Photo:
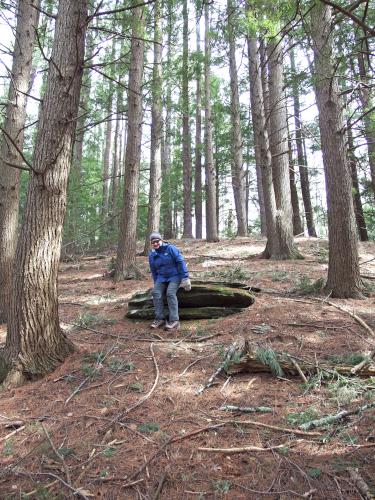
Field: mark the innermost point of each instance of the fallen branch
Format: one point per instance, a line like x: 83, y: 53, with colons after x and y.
x: 12, y: 434
x: 273, y: 427
x: 330, y: 419
x: 247, y: 409
x: 58, y: 455
x: 354, y: 316
x: 240, y: 450
x: 360, y: 483
x: 224, y: 365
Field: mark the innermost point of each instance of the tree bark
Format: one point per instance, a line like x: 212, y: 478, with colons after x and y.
x: 211, y: 205
x: 302, y: 165
x: 35, y: 343
x: 198, y: 135
x: 166, y: 149
x: 279, y: 151
x: 126, y: 249
x: 186, y: 153
x: 343, y: 268
x: 154, y: 204
x: 358, y: 209
x: 11, y: 140
x: 297, y: 222
x: 238, y: 173
x: 107, y: 158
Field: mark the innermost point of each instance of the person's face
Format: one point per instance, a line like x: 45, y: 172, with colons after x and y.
x: 155, y: 243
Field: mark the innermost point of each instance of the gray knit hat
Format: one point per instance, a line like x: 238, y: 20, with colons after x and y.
x: 155, y: 236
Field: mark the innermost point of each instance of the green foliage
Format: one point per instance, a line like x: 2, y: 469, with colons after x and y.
x: 148, y: 428
x: 297, y: 419
x: 109, y: 452
x: 353, y: 358
x: 306, y: 286
x: 269, y: 358
x: 229, y: 274
x: 66, y: 452
x: 89, y: 370
x: 314, y: 472
x: 120, y: 365
x: 98, y: 357
x: 136, y: 387
x: 221, y: 485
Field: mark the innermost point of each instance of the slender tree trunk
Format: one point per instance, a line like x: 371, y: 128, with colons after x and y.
x: 238, y: 173
x: 35, y: 342
x: 126, y: 250
x: 297, y: 222
x: 11, y: 142
x: 186, y: 154
x: 198, y: 135
x: 154, y: 204
x: 211, y: 205
x: 167, y: 209
x: 302, y: 165
x: 358, y: 210
x: 343, y: 268
x: 107, y: 159
x: 262, y: 144
x: 279, y: 151
x: 369, y: 118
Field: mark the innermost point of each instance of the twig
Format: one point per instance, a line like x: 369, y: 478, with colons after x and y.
x: 313, y: 424
x: 247, y: 409
x: 12, y: 434
x: 240, y: 450
x: 143, y: 399
x: 76, y: 390
x: 229, y: 354
x: 273, y: 427
x: 298, y: 368
x: 58, y: 455
x: 160, y: 487
x: 354, y: 316
x: 55, y: 476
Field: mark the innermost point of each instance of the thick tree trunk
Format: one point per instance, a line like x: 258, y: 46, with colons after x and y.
x: 11, y: 143
x: 154, y: 204
x: 126, y: 249
x: 35, y: 344
x: 279, y: 151
x: 262, y: 145
x: 358, y: 210
x: 302, y: 165
x: 238, y: 173
x: 198, y: 137
x: 186, y: 153
x: 211, y: 205
x: 343, y: 268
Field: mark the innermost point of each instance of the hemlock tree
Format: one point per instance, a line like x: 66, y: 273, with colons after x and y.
x: 198, y: 130
x: 154, y: 204
x: 126, y: 250
x: 35, y: 343
x: 187, y: 181
x: 211, y: 202
x: 238, y: 172
x: 344, y: 279
x: 11, y: 143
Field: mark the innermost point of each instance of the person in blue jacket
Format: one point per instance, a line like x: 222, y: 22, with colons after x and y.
x: 169, y: 272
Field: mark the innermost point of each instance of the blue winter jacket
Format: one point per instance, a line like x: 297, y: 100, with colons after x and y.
x: 167, y: 264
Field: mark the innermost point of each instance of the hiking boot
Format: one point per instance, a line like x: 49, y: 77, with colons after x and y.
x: 158, y: 323
x: 172, y: 325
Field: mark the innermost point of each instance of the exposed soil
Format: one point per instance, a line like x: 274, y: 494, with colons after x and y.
x: 124, y: 413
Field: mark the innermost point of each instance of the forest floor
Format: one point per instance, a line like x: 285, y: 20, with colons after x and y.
x: 121, y: 417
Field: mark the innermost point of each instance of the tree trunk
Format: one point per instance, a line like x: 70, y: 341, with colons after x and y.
x: 198, y: 136
x: 35, y: 343
x: 297, y: 222
x: 154, y: 204
x: 302, y: 165
x: 238, y: 173
x: 279, y: 151
x: 186, y: 154
x: 126, y: 249
x: 358, y: 210
x: 343, y: 268
x: 257, y: 148
x: 107, y: 159
x: 211, y: 206
x: 369, y: 118
x: 166, y: 149
x: 11, y: 142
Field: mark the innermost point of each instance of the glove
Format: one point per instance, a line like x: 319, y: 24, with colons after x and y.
x: 186, y: 284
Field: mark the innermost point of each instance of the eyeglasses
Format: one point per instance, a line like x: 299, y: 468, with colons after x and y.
x: 155, y: 241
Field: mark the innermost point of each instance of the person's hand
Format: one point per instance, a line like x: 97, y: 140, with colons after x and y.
x: 186, y: 284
